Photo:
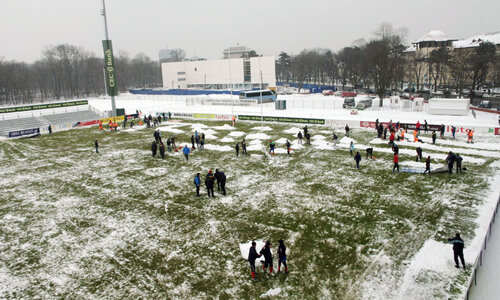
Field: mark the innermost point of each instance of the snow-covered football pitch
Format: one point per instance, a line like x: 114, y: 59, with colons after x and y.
x: 121, y: 224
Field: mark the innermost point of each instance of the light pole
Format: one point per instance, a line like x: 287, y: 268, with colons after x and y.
x: 230, y: 84
x: 113, y: 105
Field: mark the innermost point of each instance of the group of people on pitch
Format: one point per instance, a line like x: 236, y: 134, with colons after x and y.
x: 268, y: 257
x: 210, y: 179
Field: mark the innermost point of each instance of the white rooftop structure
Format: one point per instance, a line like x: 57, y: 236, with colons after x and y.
x: 435, y: 36
x: 474, y: 41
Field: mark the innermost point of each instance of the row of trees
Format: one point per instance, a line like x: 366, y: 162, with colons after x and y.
x: 378, y: 63
x: 382, y: 64
x: 66, y: 72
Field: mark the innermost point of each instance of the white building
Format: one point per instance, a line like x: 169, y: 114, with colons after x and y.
x: 235, y: 73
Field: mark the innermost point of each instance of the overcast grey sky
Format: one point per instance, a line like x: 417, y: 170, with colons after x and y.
x: 206, y: 27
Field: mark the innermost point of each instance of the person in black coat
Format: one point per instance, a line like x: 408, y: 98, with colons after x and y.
x: 458, y: 249
x: 153, y: 148
x: 357, y: 158
x: 217, y: 178
x: 252, y: 256
x: 450, y: 160
x: 192, y: 141
x: 428, y: 165
x: 282, y: 256
x: 434, y: 135
x: 288, y: 147
x: 419, y: 154
x: 385, y: 133
x: 347, y: 130
x: 369, y: 152
x: 459, y: 159
x: 222, y: 177
x: 162, y: 150
x: 237, y: 149
x: 96, y: 144
x: 268, y: 257
x: 209, y: 183
x: 244, y: 147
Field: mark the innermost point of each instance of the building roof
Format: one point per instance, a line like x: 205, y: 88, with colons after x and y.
x: 434, y: 36
x: 412, y: 48
x: 474, y: 41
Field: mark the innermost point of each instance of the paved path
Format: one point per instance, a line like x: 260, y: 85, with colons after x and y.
x: 488, y: 275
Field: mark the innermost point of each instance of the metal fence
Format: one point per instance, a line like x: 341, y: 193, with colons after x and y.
x: 479, y: 260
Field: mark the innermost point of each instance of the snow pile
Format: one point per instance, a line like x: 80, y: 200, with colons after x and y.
x: 258, y: 136
x: 281, y: 141
x: 172, y: 130
x: 218, y: 148
x: 271, y: 292
x: 255, y: 145
x: 262, y: 128
x: 227, y: 139
x: 293, y: 130
x: 195, y: 126
x: 237, y: 133
x: 224, y: 127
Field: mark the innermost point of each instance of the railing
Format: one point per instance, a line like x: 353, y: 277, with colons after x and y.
x: 479, y: 259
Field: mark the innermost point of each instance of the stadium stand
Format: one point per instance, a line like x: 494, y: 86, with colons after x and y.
x: 44, y: 121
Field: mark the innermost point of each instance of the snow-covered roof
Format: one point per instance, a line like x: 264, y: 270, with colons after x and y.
x: 474, y: 41
x: 435, y: 35
x: 412, y: 48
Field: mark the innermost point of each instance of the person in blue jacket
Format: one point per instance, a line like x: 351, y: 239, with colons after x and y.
x: 458, y: 249
x: 357, y: 158
x: 197, y: 182
x: 252, y: 256
x: 186, y: 152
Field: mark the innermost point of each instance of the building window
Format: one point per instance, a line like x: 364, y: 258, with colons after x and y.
x: 247, y: 73
x: 181, y: 79
x: 181, y: 73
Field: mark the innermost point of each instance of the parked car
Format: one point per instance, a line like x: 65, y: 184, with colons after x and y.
x: 348, y: 94
x: 327, y: 92
x: 485, y: 104
x: 348, y: 103
x: 364, y: 103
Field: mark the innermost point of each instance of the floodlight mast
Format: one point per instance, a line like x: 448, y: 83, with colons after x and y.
x: 103, y: 13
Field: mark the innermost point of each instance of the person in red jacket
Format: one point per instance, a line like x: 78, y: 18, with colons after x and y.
x: 391, y: 138
x: 396, y: 163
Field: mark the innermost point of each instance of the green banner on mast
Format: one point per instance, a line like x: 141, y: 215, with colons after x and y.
x: 109, y: 66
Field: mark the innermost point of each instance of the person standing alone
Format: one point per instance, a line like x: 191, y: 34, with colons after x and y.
x: 96, y: 144
x: 458, y: 249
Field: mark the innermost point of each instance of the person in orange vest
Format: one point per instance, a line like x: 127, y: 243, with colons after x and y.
x: 110, y: 127
x: 415, y: 135
x: 402, y: 136
x: 470, y: 136
x: 100, y: 125
x: 396, y: 163
x: 234, y: 120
